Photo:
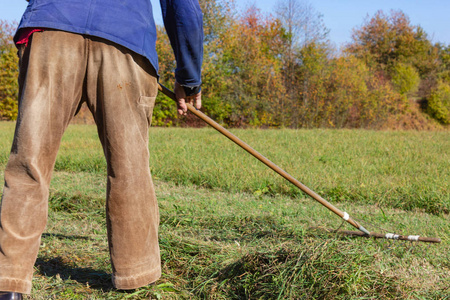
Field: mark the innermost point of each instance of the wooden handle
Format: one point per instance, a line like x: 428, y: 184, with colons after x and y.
x: 266, y: 161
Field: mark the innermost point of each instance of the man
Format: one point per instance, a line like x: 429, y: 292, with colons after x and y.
x: 101, y: 52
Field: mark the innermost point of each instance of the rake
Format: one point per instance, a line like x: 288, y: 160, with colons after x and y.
x: 344, y: 215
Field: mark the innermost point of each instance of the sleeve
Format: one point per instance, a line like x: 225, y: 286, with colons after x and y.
x: 183, y: 20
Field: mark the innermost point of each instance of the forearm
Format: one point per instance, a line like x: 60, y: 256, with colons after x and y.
x: 184, y: 25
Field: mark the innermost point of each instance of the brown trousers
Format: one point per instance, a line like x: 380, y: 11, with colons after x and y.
x: 58, y: 71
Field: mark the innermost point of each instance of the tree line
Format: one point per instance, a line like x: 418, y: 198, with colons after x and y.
x: 280, y: 70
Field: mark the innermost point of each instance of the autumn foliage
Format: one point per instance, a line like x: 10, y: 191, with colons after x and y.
x: 279, y: 70
x: 8, y: 73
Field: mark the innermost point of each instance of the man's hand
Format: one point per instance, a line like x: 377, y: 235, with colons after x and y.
x: 195, y: 100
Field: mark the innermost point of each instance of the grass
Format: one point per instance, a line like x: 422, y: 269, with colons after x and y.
x: 229, y: 232
x: 406, y: 169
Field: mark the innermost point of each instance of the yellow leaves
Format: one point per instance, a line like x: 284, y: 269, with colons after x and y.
x: 8, y: 83
x: 439, y: 103
x: 8, y: 72
x: 254, y: 76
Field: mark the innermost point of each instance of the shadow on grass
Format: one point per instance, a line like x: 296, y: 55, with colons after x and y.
x: 53, y: 266
x: 67, y: 237
x: 65, y: 269
x: 96, y: 279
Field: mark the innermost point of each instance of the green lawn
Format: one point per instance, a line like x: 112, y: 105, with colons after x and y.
x: 232, y: 229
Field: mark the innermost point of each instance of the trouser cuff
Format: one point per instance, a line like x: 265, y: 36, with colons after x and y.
x: 136, y: 281
x: 15, y: 285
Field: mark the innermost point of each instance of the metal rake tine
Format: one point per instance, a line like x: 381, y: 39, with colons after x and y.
x: 390, y: 236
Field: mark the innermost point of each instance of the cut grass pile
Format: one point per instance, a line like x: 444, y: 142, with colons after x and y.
x: 225, y: 238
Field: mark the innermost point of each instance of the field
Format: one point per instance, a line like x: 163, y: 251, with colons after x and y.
x: 233, y: 229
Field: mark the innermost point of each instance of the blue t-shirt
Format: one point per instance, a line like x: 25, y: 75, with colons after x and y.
x: 129, y: 23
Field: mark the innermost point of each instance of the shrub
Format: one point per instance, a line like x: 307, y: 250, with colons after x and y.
x: 405, y: 79
x: 8, y: 84
x: 439, y: 103
x: 8, y: 72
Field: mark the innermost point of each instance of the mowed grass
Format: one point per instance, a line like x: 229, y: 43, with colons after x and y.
x: 231, y: 229
x: 405, y: 170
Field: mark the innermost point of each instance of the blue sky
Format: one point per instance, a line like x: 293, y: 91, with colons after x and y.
x: 340, y: 16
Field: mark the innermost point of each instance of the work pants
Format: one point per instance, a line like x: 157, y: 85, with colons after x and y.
x: 59, y: 71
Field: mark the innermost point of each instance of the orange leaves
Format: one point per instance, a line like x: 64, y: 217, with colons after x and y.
x: 246, y: 60
x: 386, y: 39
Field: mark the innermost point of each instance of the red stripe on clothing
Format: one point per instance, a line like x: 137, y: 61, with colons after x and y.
x: 25, y: 34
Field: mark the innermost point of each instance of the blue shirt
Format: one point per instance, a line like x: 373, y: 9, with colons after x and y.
x: 129, y: 23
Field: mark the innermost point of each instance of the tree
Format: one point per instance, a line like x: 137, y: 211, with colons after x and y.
x: 261, y: 70
x: 8, y: 72
x: 218, y: 17
x: 387, y: 39
x: 444, y: 62
x: 250, y: 58
x: 311, y: 77
x: 405, y: 78
x: 439, y: 103
x: 305, y: 30
x: 164, y: 112
x: 302, y: 22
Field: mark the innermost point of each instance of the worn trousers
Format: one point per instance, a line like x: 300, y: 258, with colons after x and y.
x: 58, y: 72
